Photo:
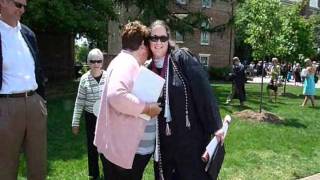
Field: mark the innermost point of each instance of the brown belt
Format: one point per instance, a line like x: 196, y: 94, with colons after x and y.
x: 17, y: 95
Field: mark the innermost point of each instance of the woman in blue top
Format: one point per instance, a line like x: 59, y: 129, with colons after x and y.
x: 309, y: 88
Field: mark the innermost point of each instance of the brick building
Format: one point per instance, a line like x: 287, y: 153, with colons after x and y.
x: 213, y: 49
x: 313, y: 6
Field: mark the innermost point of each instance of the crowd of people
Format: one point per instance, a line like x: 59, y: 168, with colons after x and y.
x: 288, y: 71
x: 306, y: 75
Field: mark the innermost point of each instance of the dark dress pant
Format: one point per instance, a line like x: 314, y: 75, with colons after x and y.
x: 23, y: 126
x: 93, y: 155
x: 115, y: 172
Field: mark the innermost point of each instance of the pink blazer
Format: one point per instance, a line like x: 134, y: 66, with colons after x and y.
x: 119, y: 129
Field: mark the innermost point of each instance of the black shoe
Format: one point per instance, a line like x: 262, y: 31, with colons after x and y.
x: 93, y: 178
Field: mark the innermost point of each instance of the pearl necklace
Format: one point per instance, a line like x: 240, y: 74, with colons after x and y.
x: 176, y: 70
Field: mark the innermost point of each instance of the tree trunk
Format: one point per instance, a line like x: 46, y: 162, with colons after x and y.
x: 261, y: 90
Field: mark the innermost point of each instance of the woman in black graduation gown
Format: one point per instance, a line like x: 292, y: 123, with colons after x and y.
x: 190, y: 112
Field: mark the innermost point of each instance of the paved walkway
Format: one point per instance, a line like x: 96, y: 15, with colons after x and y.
x: 267, y: 80
x: 313, y: 177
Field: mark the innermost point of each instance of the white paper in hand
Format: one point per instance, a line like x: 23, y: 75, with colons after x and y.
x: 147, y: 87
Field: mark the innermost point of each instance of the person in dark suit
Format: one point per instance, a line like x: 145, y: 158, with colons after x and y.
x: 238, y: 78
x: 23, y: 112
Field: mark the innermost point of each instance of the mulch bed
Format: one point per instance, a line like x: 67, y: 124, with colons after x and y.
x: 264, y: 116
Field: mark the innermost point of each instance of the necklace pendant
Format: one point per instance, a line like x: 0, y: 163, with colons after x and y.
x: 168, y: 130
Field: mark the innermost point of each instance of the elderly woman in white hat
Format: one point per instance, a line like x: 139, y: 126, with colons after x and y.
x: 88, y: 99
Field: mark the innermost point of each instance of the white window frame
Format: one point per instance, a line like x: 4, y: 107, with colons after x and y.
x: 178, y: 34
x: 181, y: 2
x: 205, y: 38
x: 314, y: 3
x: 205, y: 35
x: 206, y: 5
x: 207, y: 56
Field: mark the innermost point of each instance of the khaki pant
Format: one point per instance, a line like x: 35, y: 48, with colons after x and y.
x: 23, y: 126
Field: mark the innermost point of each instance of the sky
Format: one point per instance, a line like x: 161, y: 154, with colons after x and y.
x: 81, y: 41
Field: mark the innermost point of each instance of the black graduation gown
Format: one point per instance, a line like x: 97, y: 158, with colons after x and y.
x: 238, y: 80
x: 181, y: 151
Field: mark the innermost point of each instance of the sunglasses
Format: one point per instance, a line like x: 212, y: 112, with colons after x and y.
x: 95, y: 61
x: 157, y: 38
x: 19, y: 5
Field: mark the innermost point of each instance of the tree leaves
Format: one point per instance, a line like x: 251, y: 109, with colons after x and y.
x: 86, y: 17
x: 272, y: 29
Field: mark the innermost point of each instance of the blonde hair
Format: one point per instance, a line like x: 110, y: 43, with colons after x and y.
x: 275, y: 60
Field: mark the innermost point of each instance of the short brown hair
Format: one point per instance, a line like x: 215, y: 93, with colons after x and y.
x: 133, y: 34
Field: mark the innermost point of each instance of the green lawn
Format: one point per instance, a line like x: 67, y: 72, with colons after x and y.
x: 254, y: 150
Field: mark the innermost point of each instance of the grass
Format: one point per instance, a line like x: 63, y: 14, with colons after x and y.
x: 254, y: 150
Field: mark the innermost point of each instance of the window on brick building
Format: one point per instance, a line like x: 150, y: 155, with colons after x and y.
x: 206, y: 3
x: 181, y: 1
x: 204, y: 59
x: 179, y: 37
x: 205, y: 35
x: 314, y: 3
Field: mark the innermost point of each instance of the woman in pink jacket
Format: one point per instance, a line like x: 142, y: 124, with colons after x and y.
x: 119, y: 131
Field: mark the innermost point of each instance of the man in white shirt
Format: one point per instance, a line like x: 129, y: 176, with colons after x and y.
x: 23, y: 111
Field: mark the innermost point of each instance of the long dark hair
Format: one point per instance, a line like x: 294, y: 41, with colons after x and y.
x: 171, y: 44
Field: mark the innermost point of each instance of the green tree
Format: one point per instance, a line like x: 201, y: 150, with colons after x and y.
x: 315, y: 19
x: 258, y: 22
x: 81, y: 52
x: 150, y: 10
x: 88, y: 18
x: 296, y: 35
x: 272, y: 29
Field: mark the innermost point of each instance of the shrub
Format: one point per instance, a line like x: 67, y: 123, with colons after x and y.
x: 219, y: 73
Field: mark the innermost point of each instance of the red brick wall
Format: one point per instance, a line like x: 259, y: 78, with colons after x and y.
x: 219, y: 44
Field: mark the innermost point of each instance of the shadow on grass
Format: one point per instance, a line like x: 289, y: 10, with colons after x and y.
x: 293, y: 123
x: 296, y: 96
x: 292, y: 95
